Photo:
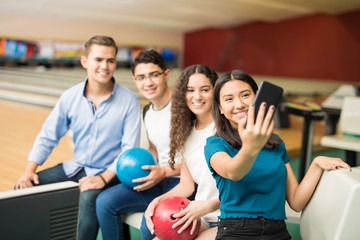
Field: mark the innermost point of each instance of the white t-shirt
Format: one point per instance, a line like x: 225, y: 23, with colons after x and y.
x: 196, y: 163
x: 157, y: 124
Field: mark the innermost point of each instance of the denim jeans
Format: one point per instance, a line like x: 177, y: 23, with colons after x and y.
x: 88, y: 225
x: 250, y: 228
x: 145, y: 232
x: 120, y: 199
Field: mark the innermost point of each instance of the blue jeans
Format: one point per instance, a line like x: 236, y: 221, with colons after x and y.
x: 88, y: 225
x: 145, y: 232
x: 119, y: 199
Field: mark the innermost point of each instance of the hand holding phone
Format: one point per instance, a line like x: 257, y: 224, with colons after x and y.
x: 269, y: 93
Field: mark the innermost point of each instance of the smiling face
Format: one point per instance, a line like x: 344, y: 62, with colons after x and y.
x: 198, y: 95
x: 100, y: 64
x: 152, y: 88
x: 235, y: 99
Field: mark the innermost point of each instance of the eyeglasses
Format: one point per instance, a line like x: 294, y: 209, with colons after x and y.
x: 152, y: 76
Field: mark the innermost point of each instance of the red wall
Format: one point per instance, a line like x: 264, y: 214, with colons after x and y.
x: 205, y: 46
x: 318, y: 46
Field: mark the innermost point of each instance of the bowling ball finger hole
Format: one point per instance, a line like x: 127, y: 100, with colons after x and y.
x: 172, y: 217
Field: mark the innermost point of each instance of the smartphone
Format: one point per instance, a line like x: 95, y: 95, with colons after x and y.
x: 269, y: 93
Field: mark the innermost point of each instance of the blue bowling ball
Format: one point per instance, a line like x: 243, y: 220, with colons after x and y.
x: 129, y: 165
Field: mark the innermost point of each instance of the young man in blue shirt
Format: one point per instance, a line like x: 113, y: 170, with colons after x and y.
x: 104, y: 118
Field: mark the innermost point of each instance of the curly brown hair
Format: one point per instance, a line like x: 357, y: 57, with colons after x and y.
x: 182, y: 118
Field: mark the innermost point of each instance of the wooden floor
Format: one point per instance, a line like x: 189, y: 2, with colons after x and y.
x: 20, y: 124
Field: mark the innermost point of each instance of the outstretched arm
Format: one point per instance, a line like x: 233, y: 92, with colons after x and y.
x: 53, y: 129
x: 298, y: 195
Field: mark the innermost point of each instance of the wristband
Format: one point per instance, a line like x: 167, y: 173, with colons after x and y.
x: 103, y: 180
x: 164, y: 172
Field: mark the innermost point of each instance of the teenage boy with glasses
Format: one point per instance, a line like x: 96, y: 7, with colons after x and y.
x: 151, y: 77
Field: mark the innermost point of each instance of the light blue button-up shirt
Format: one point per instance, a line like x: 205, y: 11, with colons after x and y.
x: 99, y: 137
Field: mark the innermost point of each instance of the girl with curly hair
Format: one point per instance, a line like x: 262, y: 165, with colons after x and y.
x: 191, y: 124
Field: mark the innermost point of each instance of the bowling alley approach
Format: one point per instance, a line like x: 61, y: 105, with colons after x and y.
x: 185, y: 120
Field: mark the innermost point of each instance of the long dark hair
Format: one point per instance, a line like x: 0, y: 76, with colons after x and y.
x: 223, y: 126
x: 182, y: 118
